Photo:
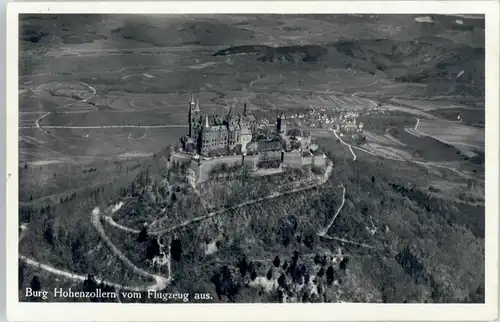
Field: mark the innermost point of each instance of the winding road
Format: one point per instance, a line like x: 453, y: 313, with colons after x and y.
x: 274, y: 195
x: 78, y: 277
x: 160, y: 282
x: 421, y: 163
x: 37, y: 121
x: 354, y: 157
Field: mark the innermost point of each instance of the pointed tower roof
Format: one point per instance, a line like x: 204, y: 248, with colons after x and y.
x: 197, y: 106
x: 206, y: 121
x: 191, y: 102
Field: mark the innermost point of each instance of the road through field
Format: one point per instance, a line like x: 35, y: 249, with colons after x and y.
x: 107, y: 126
x: 414, y: 131
x: 37, y: 121
x: 354, y: 157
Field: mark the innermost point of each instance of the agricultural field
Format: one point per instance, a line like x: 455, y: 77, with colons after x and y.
x: 473, y: 116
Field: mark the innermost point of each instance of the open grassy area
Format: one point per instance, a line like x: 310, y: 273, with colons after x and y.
x: 426, y: 148
x: 474, y: 117
x: 86, y: 145
x: 456, y: 133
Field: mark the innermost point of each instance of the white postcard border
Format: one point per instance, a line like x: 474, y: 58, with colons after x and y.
x: 257, y: 312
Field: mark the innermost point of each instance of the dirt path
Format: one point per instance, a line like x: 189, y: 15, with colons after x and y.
x: 346, y: 241
x: 160, y: 281
x: 414, y: 131
x: 274, y: 195
x: 78, y: 277
x: 322, y: 232
x: 354, y: 157
x: 94, y: 92
x: 37, y: 123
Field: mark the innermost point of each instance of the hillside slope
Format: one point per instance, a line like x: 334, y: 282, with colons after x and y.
x: 450, y: 68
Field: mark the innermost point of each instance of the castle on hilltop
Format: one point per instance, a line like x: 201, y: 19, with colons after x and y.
x: 216, y: 134
x: 234, y: 138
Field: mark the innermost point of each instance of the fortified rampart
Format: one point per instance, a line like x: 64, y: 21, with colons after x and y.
x: 201, y: 168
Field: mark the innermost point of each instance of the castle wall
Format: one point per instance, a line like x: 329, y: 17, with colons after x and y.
x: 292, y: 159
x: 319, y: 160
x: 307, y: 160
x: 269, y: 156
x: 269, y: 159
x: 206, y: 166
x: 180, y: 157
x: 251, y: 161
x: 203, y: 169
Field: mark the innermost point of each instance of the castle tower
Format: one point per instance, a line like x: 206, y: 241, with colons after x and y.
x: 197, y: 106
x: 192, y: 103
x: 190, y: 115
x: 245, y: 109
x: 281, y: 125
x: 206, y: 121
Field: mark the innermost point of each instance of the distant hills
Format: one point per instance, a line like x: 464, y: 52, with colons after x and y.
x: 287, y: 53
x: 457, y: 68
x: 445, y: 52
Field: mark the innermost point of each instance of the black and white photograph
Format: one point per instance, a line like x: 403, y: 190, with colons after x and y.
x: 216, y: 158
